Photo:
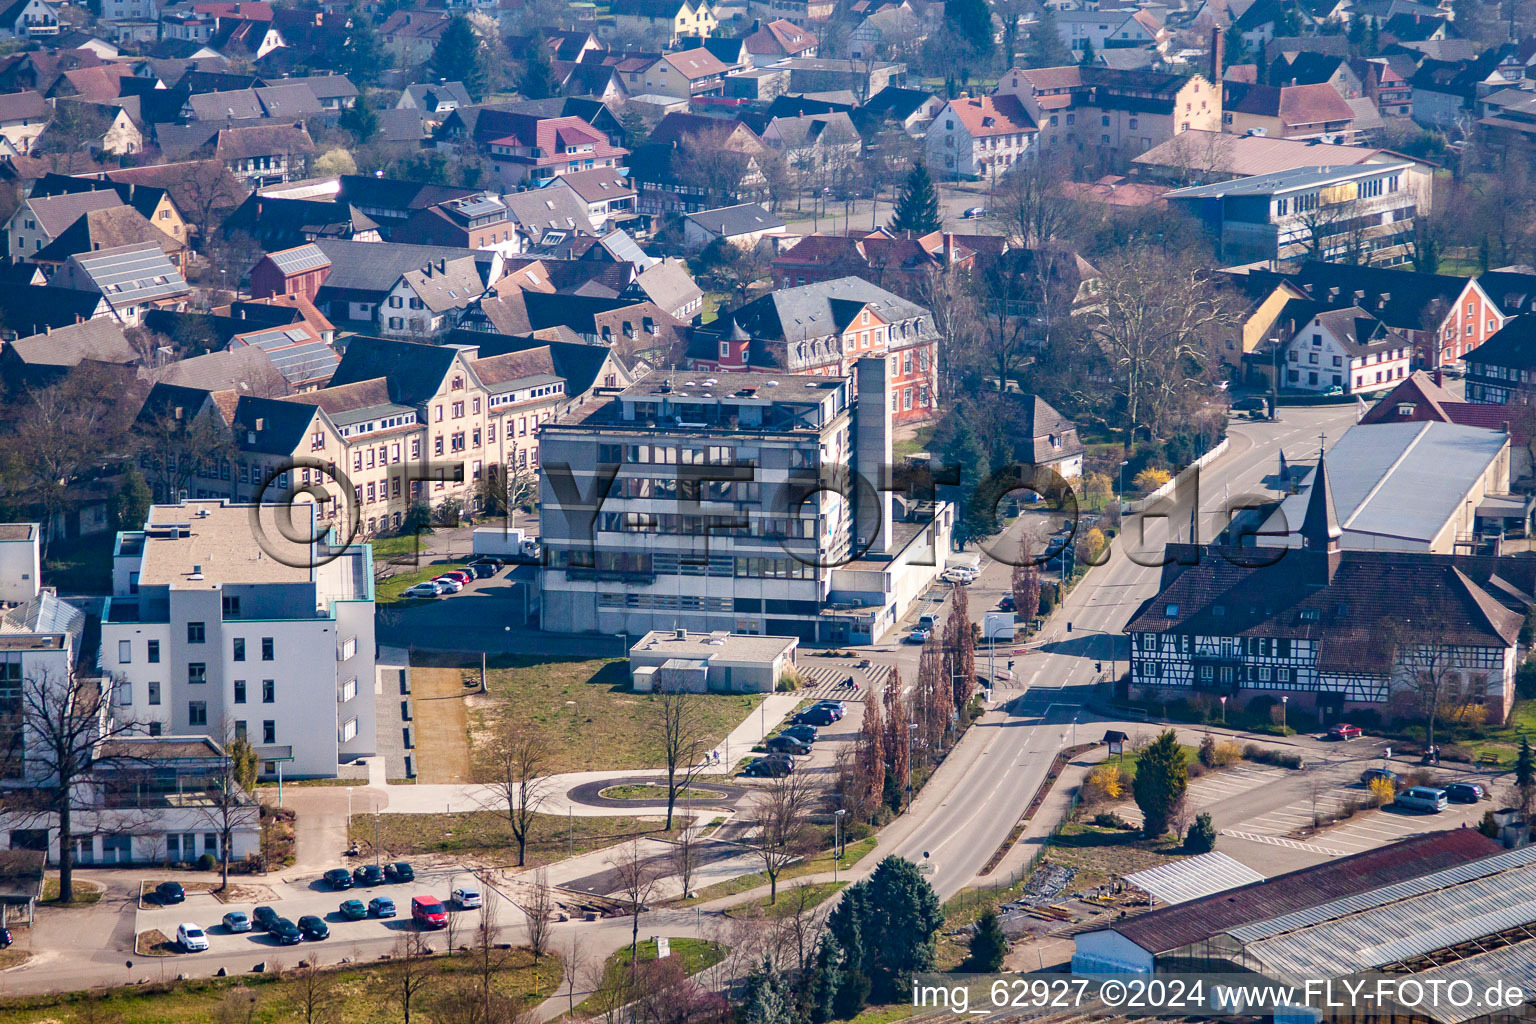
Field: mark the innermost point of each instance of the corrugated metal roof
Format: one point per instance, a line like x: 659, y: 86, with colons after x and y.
x: 1193, y: 877
x: 1510, y: 966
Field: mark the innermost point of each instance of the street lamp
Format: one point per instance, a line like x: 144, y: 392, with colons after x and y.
x: 1223, y: 710
x: 1284, y: 700
x: 1120, y: 488
x: 837, y: 841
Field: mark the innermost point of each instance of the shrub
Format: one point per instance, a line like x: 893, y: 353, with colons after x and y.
x: 1260, y: 707
x: 207, y: 862
x: 1109, y: 819
x: 1278, y: 758
x: 1201, y: 837
x: 1207, y: 753
x: 1525, y: 679
x: 1104, y: 783
x: 1487, y: 826
x: 1383, y: 792
x: 1228, y: 752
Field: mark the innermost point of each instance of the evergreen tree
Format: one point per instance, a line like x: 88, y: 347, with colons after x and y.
x: 538, y: 78
x: 243, y: 756
x: 768, y: 999
x: 360, y: 121
x: 457, y: 57
x: 1373, y: 43
x: 362, y: 54
x: 907, y: 916
x: 988, y: 944
x: 1236, y: 46
x: 1086, y: 60
x: 917, y: 208
x: 971, y: 20
x: 1045, y: 48
x: 826, y: 976
x: 130, y: 507
x: 635, y: 128
x: 1161, y: 779
x: 846, y: 925
x: 1202, y: 835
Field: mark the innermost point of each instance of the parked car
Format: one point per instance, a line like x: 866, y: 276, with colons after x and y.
x: 782, y: 744
x: 1378, y: 773
x: 429, y: 912
x: 1345, y: 731
x: 285, y: 932
x: 427, y: 589
x: 803, y: 733
x: 1250, y: 404
x: 837, y: 707
x: 451, y: 585
x: 399, y: 871
x: 468, y: 899
x: 1464, y: 792
x: 959, y: 574
x: 1422, y: 798
x: 1006, y: 604
x: 381, y: 906
x: 191, y: 938
x: 919, y: 635
x: 353, y: 910
x: 236, y: 921
x: 461, y: 575
x: 170, y: 892
x: 337, y: 879
x: 264, y: 918
x: 816, y: 716
x: 768, y: 768
x: 313, y: 928
x: 368, y: 874
x: 974, y: 213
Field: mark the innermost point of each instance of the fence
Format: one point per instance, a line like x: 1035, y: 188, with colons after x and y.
x: 1194, y: 467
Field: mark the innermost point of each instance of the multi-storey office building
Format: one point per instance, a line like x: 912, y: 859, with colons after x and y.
x: 719, y: 501
x: 222, y: 623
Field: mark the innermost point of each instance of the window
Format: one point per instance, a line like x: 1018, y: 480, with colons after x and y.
x: 154, y: 693
x: 268, y: 731
x: 124, y: 652
x: 268, y: 649
x: 197, y: 672
x: 152, y: 654
x: 349, y: 730
x: 239, y: 691
x: 348, y: 690
x: 197, y: 712
x: 196, y: 633
x: 348, y: 648
x: 269, y: 691
x: 239, y: 652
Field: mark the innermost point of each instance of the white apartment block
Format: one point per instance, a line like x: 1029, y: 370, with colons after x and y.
x: 218, y: 620
x: 20, y: 562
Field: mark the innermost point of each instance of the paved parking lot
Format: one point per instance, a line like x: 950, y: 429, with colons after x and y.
x: 301, y: 896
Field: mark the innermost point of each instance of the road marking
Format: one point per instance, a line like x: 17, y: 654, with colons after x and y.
x: 1291, y: 844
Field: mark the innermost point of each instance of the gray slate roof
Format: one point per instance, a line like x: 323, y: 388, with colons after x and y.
x: 736, y: 220
x: 98, y: 340
x: 376, y: 266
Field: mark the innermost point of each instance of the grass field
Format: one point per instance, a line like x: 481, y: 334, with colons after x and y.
x: 586, y: 709
x: 696, y: 954
x: 648, y: 792
x: 360, y: 995
x: 814, y: 894
x: 86, y: 893
x: 818, y: 864
x: 487, y: 836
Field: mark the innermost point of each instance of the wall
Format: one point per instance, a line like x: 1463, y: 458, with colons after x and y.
x: 20, y: 568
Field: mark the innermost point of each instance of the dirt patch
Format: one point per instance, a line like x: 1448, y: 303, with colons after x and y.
x: 441, y: 724
x: 147, y: 899
x: 245, y: 892
x: 154, y: 942
x: 13, y: 957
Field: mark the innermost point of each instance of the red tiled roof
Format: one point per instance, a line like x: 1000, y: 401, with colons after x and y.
x: 698, y: 63
x: 780, y: 37
x: 1292, y: 104
x: 992, y: 115
x: 550, y: 135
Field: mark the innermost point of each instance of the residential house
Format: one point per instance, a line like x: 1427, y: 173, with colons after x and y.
x: 436, y: 101
x: 201, y: 629
x: 815, y: 143
x: 1345, y: 349
x: 684, y: 75
x: 470, y: 222
x: 743, y: 226
x: 410, y: 36
x: 1108, y: 29
x: 108, y: 229
x: 891, y: 33
x: 667, y: 173
x: 334, y: 91
x: 863, y: 78
x: 823, y: 329
x: 1289, y: 111
x: 133, y: 278
x: 1364, y: 212
x: 804, y: 13
x: 668, y: 20
x: 424, y: 300
x: 1502, y: 369
x: 609, y: 197
x: 27, y: 309
x: 547, y: 217
x: 913, y: 110
x: 1384, y: 86
x: 23, y: 115
x: 363, y: 276
x: 41, y: 219
x: 30, y: 19
x: 1046, y: 439
x: 539, y: 148
x: 981, y: 137
x: 41, y: 359
x: 879, y: 257
x: 1307, y: 68
x: 1115, y: 114
x: 1487, y: 303
x: 279, y: 222
x: 294, y: 347
x: 1507, y: 119
x: 770, y: 42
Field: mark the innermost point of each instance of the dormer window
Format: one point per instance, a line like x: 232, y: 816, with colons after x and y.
x: 1405, y: 408
x: 458, y: 384
x: 1171, y: 611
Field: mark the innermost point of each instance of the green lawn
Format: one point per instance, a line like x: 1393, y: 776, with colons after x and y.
x: 487, y: 835
x: 696, y: 955
x: 816, y: 893
x: 392, y: 589
x: 385, y: 548
x: 358, y: 995
x: 819, y: 864
x: 912, y: 445
x: 591, y: 717
x: 82, y: 566
x: 648, y: 792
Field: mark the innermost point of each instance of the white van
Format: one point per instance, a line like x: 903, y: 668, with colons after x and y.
x: 928, y: 622
x: 1422, y: 798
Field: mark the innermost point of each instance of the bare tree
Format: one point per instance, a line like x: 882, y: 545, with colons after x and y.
x: 802, y: 922
x: 679, y: 718
x: 62, y: 730
x: 637, y: 877
x: 685, y: 855
x: 610, y: 991
x: 177, y: 445
x: 489, y: 959
x: 1029, y: 204
x: 228, y: 805
x: 541, y: 904
x: 409, y: 975
x: 521, y: 755
x: 238, y: 1006
x: 783, y: 834
x: 315, y: 997
x: 1430, y: 676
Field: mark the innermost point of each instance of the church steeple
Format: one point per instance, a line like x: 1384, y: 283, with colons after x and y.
x: 1320, y: 526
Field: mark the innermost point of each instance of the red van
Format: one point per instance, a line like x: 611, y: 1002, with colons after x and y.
x: 429, y: 912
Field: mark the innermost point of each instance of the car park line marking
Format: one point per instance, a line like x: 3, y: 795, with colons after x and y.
x: 1291, y: 844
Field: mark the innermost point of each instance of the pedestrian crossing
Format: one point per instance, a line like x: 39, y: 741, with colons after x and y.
x: 830, y: 682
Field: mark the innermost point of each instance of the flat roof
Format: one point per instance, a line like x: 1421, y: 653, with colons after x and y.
x: 768, y: 387
x: 220, y: 541
x: 1403, y: 480
x: 1285, y: 181
x: 664, y: 643
x: 18, y: 531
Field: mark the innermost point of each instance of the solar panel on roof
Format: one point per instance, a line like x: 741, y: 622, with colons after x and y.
x: 295, y: 261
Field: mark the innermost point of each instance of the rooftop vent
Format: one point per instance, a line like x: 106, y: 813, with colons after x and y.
x: 197, y: 573
x: 680, y: 633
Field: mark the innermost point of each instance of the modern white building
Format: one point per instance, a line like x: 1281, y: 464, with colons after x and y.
x: 1346, y: 350
x: 20, y: 562
x: 221, y: 624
